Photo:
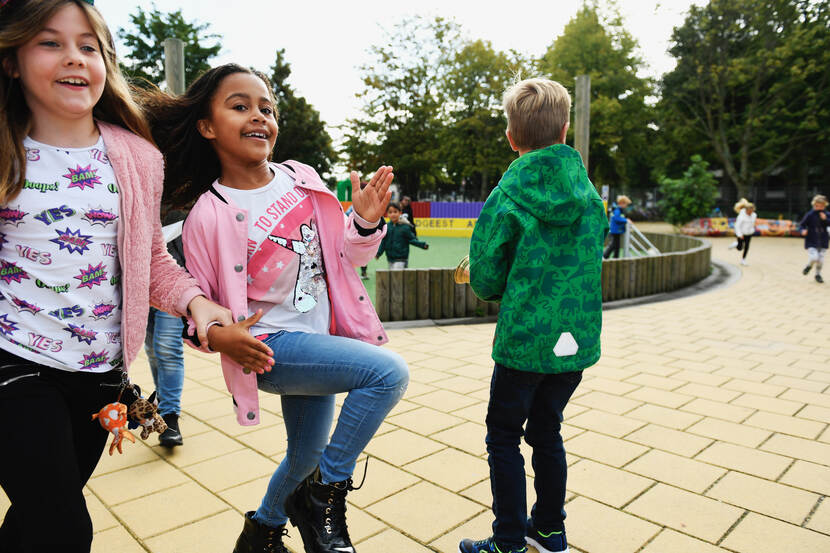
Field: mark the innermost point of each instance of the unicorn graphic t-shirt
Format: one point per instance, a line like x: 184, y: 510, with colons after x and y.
x: 286, y: 275
x: 60, y: 276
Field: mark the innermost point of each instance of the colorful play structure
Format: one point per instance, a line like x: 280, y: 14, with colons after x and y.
x: 721, y: 226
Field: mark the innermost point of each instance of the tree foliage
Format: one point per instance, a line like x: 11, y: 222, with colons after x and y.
x: 302, y: 135
x: 597, y: 44
x: 751, y: 84
x: 690, y: 196
x: 145, y: 43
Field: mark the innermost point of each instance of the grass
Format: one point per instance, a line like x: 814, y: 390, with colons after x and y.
x: 443, y: 252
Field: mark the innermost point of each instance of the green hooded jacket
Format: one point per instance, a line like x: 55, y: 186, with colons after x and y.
x: 537, y: 248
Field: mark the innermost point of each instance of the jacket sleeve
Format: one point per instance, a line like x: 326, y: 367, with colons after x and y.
x: 357, y: 249
x: 171, y: 287
x: 618, y: 217
x: 412, y: 239
x: 491, y: 251
x: 739, y: 223
x: 199, y: 264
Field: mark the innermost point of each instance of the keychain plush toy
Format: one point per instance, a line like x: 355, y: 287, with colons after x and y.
x: 144, y: 412
x: 113, y: 417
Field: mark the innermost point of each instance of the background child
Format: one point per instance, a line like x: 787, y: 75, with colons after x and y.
x: 164, y: 348
x: 399, y: 235
x: 744, y: 226
x: 618, y: 222
x: 272, y: 243
x: 537, y: 248
x: 83, y: 258
x: 814, y: 229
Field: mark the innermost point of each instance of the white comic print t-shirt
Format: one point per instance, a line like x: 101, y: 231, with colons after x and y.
x: 60, y: 276
x: 286, y: 277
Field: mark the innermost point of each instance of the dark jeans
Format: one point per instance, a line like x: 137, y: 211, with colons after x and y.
x: 50, y: 448
x: 613, y: 248
x: 539, y: 399
x: 743, y: 244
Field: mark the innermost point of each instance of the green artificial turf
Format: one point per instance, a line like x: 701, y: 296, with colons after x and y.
x: 443, y: 252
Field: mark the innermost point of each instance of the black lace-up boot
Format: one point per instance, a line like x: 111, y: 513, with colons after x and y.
x: 319, y: 512
x: 259, y: 538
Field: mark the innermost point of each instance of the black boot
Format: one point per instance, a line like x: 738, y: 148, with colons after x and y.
x: 319, y: 512
x: 259, y: 538
x: 171, y: 437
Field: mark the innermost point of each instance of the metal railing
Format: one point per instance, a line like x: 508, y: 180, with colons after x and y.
x: 635, y: 244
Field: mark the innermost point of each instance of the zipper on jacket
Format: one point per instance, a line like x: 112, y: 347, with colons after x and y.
x: 16, y: 378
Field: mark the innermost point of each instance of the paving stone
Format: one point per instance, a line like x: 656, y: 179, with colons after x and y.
x: 468, y: 436
x: 798, y: 383
x: 442, y: 399
x: 402, y: 446
x: 662, y: 383
x: 757, y: 387
x: 724, y: 431
x: 808, y: 450
x: 605, y: 449
x: 115, y: 539
x: 786, y: 425
x: 101, y: 517
x: 671, y: 541
x: 605, y: 484
x: 199, y: 448
x: 684, y: 511
x: 814, y: 412
x: 425, y: 510
x: 605, y: 423
x: 765, y: 497
x: 814, y: 398
x: 670, y: 440
x: 268, y: 441
x: 424, y: 420
x: 664, y: 416
x: 708, y: 392
x: 744, y: 459
x: 660, y: 397
x: 382, y: 480
x: 132, y: 482
x: 451, y: 469
x: 134, y: 454
x: 476, y: 528
x: 391, y: 540
x: 718, y: 410
x: 676, y: 470
x: 248, y: 496
x: 808, y: 476
x: 593, y: 526
x: 461, y: 384
x: 820, y: 521
x: 608, y: 386
x: 231, y: 469
x: 214, y: 534
x: 170, y: 509
x: 759, y: 534
x: 765, y: 403
x: 607, y: 402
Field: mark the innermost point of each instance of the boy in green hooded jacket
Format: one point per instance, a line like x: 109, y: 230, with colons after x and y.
x: 537, y: 248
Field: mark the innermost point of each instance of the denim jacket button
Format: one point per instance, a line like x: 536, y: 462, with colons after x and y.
x: 238, y: 268
x: 240, y: 216
x: 251, y: 415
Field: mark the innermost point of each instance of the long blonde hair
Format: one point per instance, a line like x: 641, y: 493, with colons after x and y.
x: 21, y: 21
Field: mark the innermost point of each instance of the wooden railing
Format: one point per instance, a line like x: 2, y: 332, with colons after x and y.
x: 411, y: 294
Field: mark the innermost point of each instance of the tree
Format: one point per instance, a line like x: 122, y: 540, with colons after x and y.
x: 402, y: 114
x: 692, y: 195
x: 751, y: 82
x: 476, y: 149
x: 302, y: 135
x: 599, y: 45
x: 145, y: 60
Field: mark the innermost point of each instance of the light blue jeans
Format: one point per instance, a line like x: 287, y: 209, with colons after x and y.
x: 163, y: 345
x: 309, y: 370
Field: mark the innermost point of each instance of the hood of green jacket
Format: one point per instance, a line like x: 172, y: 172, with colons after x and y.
x: 550, y: 183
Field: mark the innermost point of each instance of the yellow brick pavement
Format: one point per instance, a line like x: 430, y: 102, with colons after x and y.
x: 703, y: 428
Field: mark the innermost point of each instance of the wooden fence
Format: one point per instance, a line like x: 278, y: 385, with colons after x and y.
x: 410, y: 294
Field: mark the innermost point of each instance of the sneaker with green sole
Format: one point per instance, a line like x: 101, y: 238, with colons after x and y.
x: 486, y: 546
x: 546, y: 542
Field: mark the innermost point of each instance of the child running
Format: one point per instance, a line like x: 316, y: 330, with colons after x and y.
x: 399, y: 235
x: 82, y: 260
x: 744, y: 226
x: 814, y: 230
x: 272, y: 243
x: 618, y: 222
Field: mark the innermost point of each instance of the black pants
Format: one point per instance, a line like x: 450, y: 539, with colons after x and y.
x: 50, y: 448
x: 517, y: 397
x: 613, y: 248
x: 743, y: 244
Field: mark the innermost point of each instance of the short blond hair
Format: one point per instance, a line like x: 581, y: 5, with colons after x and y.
x: 536, y: 110
x: 819, y: 198
x: 623, y: 198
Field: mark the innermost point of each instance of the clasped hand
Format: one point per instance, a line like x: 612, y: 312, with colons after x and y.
x: 235, y: 341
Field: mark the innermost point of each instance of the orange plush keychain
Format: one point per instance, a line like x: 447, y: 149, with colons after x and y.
x: 113, y: 417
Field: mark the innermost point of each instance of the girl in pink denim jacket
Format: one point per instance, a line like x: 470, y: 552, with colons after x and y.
x: 271, y: 243
x: 81, y: 260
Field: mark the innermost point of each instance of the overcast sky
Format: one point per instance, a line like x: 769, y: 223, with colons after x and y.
x: 325, y: 42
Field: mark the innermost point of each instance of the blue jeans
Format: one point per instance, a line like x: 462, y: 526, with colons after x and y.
x: 516, y: 397
x: 163, y: 345
x: 309, y: 370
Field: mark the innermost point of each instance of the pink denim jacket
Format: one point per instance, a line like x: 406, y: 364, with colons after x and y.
x: 149, y: 275
x: 215, y: 240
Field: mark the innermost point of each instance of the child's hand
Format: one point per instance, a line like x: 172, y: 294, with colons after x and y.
x: 371, y: 201
x: 803, y: 233
x: 426, y: 246
x: 205, y: 311
x: 236, y: 342
x: 822, y: 215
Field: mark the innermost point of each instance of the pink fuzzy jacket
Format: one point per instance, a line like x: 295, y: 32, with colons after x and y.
x: 149, y: 274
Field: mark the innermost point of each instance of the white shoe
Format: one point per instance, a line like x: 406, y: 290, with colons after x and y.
x: 732, y: 246
x: 744, y: 263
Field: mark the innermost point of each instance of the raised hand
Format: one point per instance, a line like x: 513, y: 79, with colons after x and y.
x: 370, y: 202
x: 236, y: 341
